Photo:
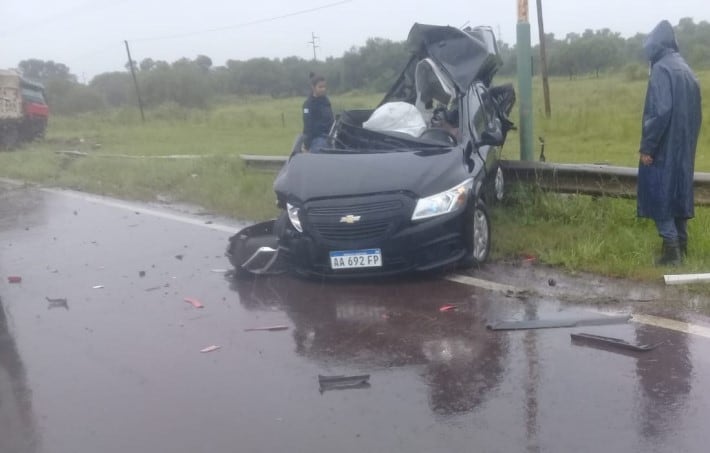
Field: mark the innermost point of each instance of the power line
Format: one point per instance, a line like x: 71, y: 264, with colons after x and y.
x: 245, y: 24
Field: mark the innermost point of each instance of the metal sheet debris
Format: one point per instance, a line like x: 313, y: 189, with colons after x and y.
x: 267, y: 329
x: 599, y: 340
x: 342, y: 382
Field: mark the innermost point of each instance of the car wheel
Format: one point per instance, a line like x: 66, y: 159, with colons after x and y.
x: 478, y: 235
x: 499, y: 185
x: 10, y: 137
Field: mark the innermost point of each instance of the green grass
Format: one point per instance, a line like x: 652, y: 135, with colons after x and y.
x: 593, y: 120
x: 594, y: 234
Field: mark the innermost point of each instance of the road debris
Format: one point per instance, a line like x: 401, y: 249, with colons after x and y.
x: 342, y: 382
x: 598, y: 340
x: 98, y: 287
x: 179, y: 257
x: 684, y: 279
x: 14, y: 279
x: 220, y: 271
x: 195, y: 303
x: 214, y: 347
x: 141, y: 274
x: 57, y: 303
x: 448, y: 307
x: 551, y: 282
x: 266, y: 329
x: 557, y: 323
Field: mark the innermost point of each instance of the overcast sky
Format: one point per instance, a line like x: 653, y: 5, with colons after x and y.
x: 88, y: 35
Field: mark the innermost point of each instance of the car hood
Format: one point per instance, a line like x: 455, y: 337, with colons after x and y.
x: 312, y: 176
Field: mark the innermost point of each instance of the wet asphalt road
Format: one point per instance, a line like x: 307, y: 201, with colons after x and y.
x: 119, y: 368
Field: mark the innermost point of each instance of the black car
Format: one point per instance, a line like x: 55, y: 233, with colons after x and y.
x: 400, y: 188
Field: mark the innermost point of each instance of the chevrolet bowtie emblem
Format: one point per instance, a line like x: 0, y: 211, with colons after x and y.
x: 350, y: 219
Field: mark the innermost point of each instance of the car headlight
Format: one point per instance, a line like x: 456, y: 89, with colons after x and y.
x: 443, y: 203
x: 293, y: 217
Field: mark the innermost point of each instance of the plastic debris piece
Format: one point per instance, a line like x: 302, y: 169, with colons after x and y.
x: 57, y: 303
x: 195, y: 303
x: 598, y: 340
x: 448, y: 307
x: 342, y: 382
x: 267, y: 329
x: 529, y: 259
x: 214, y: 347
x: 557, y: 323
x: 14, y: 279
x: 98, y: 287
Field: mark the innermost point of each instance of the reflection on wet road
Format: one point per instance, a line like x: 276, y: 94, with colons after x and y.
x: 118, y: 367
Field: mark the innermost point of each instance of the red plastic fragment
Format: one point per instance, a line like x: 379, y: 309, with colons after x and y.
x: 14, y: 279
x: 448, y: 307
x: 194, y: 302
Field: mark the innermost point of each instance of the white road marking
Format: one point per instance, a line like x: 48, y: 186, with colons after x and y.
x: 672, y: 324
x: 143, y: 210
x: 484, y: 284
x: 655, y: 321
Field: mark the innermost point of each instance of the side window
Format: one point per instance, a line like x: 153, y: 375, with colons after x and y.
x: 476, y: 115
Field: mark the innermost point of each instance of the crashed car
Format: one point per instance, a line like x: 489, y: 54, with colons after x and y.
x: 400, y: 188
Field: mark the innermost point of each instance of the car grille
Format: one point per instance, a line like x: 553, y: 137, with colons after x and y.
x: 378, y: 218
x: 339, y: 232
x: 356, y: 209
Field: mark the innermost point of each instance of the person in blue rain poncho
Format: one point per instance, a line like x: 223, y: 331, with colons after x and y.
x: 671, y: 124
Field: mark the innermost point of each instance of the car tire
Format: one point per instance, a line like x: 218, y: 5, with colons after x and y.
x: 478, y: 235
x: 495, y: 187
x: 10, y: 137
x: 499, y: 184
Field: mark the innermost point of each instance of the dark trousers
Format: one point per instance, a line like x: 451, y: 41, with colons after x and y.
x: 673, y: 229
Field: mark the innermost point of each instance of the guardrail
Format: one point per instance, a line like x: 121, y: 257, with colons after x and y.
x: 585, y: 179
x: 589, y: 179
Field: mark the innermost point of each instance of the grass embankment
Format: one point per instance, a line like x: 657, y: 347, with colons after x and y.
x: 594, y: 120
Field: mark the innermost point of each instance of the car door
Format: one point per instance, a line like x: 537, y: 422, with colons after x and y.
x: 483, y: 119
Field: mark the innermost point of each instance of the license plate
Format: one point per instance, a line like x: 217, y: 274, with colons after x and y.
x: 354, y: 259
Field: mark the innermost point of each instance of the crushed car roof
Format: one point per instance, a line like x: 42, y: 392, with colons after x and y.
x: 466, y: 55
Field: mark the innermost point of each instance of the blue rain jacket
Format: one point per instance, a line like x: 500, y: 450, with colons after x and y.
x: 671, y: 123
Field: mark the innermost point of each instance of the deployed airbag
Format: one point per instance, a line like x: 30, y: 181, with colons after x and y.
x: 396, y: 117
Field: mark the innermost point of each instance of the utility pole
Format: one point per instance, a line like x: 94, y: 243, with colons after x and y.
x: 314, y: 42
x: 135, y: 81
x: 543, y: 60
x: 525, y: 81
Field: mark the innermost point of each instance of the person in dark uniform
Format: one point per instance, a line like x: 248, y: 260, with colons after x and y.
x: 317, y: 116
x: 671, y: 123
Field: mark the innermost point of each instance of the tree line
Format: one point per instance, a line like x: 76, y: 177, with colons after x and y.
x: 197, y: 83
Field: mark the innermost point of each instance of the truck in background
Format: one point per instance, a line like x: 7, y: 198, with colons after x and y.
x: 23, y: 110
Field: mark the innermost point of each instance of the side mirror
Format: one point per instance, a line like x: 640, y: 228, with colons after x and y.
x: 491, y: 138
